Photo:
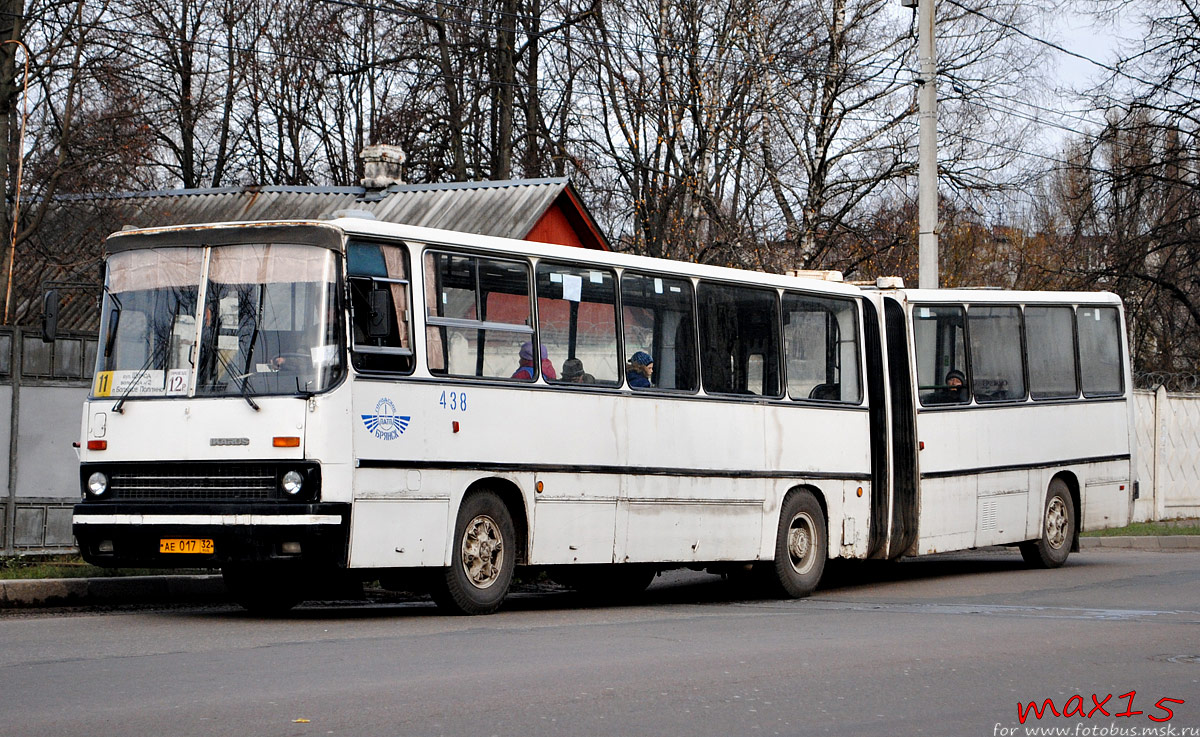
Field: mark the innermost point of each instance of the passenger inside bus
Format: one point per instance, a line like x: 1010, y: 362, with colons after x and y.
x: 573, y: 373
x: 954, y: 391
x: 639, y: 370
x: 826, y: 392
x: 525, y: 372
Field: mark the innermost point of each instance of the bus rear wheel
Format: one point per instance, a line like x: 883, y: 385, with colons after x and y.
x: 801, y: 547
x: 483, y: 559
x: 1051, y: 549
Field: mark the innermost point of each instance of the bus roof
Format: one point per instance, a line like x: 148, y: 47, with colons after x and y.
x: 507, y: 246
x: 1005, y: 296
x: 328, y: 234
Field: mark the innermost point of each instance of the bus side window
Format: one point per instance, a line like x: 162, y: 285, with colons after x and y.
x: 1100, y: 351
x: 380, y: 334
x: 997, y: 368
x: 739, y: 339
x: 656, y: 319
x: 478, y: 317
x: 820, y: 338
x: 577, y: 323
x: 1050, y: 347
x: 939, y: 345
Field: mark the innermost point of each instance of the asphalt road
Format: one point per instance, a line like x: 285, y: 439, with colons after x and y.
x: 942, y: 646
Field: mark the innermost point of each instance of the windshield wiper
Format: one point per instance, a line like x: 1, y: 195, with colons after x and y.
x: 136, y: 377
x: 243, y: 380
x: 254, y: 331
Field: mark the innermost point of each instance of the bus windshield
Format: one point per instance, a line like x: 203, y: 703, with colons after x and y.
x: 249, y: 320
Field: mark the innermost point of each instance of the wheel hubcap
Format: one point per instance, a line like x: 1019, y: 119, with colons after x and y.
x: 1056, y: 523
x: 800, y: 543
x: 482, y: 551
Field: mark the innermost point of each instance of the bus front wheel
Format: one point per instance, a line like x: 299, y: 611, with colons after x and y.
x: 482, y: 562
x: 801, y: 547
x: 1051, y: 549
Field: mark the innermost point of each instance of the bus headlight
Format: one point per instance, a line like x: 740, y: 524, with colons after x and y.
x: 292, y: 483
x: 97, y: 484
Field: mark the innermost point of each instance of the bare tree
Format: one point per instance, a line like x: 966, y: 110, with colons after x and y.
x: 79, y: 136
x: 179, y: 61
x: 1128, y: 200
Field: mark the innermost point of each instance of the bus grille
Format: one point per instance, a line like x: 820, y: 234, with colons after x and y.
x: 182, y: 482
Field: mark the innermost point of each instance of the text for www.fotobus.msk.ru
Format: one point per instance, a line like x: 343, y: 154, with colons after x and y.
x: 1106, y: 716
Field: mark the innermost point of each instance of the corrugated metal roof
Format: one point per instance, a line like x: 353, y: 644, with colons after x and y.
x: 68, y: 244
x: 508, y: 209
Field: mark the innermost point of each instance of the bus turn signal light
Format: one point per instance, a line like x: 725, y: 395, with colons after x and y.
x: 97, y: 445
x: 289, y: 441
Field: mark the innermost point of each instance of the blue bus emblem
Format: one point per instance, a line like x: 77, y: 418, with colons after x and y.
x: 385, y: 424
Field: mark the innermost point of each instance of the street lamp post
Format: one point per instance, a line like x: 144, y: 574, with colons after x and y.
x: 927, y: 199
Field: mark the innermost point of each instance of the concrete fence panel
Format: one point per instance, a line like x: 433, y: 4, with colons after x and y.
x: 1168, y: 446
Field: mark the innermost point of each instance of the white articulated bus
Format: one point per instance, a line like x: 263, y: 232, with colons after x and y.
x: 292, y: 401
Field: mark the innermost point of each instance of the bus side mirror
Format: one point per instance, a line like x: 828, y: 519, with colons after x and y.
x: 50, y: 316
x: 380, y: 303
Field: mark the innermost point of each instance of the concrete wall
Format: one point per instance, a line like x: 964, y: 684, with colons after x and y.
x: 47, y: 469
x: 42, y: 478
x: 39, y: 477
x: 5, y: 435
x: 1168, y: 446
x: 47, y: 465
x: 6, y: 458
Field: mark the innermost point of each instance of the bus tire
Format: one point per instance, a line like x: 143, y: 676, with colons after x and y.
x: 263, y: 590
x: 483, y: 558
x: 1053, y: 546
x: 801, y: 547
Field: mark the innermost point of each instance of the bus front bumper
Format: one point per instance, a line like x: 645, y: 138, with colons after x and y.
x: 186, y: 536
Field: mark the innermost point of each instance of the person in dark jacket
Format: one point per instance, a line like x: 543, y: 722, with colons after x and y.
x: 572, y: 372
x: 640, y: 370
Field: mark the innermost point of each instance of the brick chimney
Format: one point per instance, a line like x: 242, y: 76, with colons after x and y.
x: 382, y: 166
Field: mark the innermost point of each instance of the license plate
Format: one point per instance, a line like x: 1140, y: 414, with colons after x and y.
x: 194, y: 546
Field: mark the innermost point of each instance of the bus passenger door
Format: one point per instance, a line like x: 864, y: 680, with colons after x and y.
x: 894, y: 472
x: 876, y: 379
x: 904, y: 431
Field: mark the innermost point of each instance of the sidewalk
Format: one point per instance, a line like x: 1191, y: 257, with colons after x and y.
x: 209, y: 589
x: 1144, y: 542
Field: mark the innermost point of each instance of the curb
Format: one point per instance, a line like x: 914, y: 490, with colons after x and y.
x: 55, y: 592
x: 1147, y: 542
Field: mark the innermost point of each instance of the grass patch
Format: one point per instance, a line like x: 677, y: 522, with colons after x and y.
x: 1143, y: 529
x: 68, y: 566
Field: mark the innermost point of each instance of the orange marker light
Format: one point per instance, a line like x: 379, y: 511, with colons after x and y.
x: 97, y: 445
x: 860, y: 491
x: 285, y: 442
